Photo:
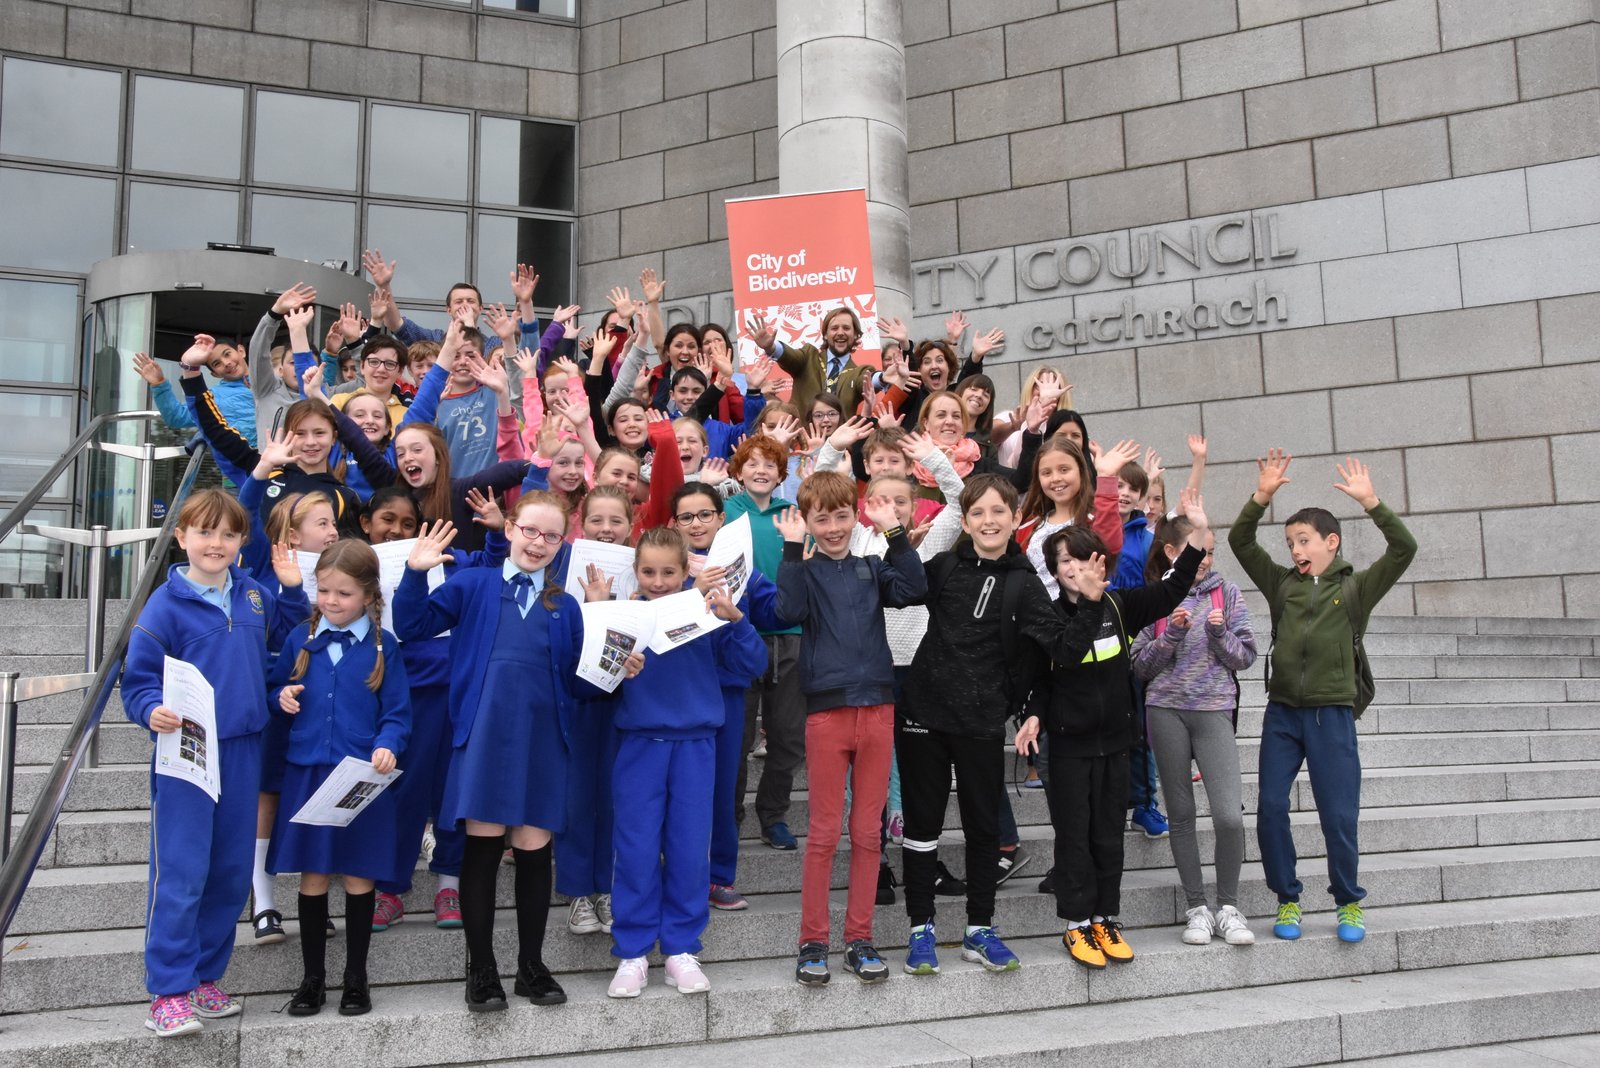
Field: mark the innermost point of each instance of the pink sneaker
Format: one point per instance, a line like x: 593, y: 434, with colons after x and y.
x: 683, y: 972
x: 447, y: 909
x: 387, y: 911
x: 630, y: 978
x: 172, y: 1015
x: 211, y: 1003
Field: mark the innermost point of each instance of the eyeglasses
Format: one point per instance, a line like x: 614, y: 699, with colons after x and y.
x: 704, y: 515
x: 534, y: 534
x: 387, y: 365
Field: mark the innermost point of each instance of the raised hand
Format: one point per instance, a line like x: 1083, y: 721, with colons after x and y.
x: 895, y: 327
x: 502, y: 323
x: 713, y: 470
x: 1037, y: 414
x: 524, y: 280
x: 274, y: 451
x: 334, y: 340
x: 881, y: 514
x: 312, y: 383
x: 1272, y: 474
x: 525, y: 363
x: 918, y: 446
x: 381, y: 273
x: 917, y: 533
x: 1197, y: 447
x: 784, y: 429
x: 955, y: 326
x: 1110, y: 463
x: 983, y: 344
x: 1152, y: 465
x: 485, y: 509
x: 1092, y: 581
x: 720, y: 604
x: 763, y: 333
x: 379, y: 303
x: 432, y: 541
x: 623, y: 301
x: 1049, y: 384
x: 1357, y: 483
x: 656, y: 415
x: 886, y: 415
x: 651, y: 286
x: 492, y: 373
x: 148, y: 369
x: 1194, y: 510
x: 350, y: 323
x: 299, y: 322
x: 854, y: 429
x: 791, y: 525
x: 596, y: 585
x: 285, y: 566
x: 198, y: 355
x: 294, y: 297
x: 707, y: 578
x: 756, y: 375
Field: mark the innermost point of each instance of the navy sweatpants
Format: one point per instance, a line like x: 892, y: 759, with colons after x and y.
x: 583, y: 846
x: 662, y: 864
x: 725, y: 809
x: 1324, y: 740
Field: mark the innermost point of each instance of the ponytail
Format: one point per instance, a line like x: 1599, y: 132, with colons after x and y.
x: 1171, y: 530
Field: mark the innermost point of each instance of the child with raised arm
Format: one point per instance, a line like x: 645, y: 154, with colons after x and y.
x: 847, y: 676
x: 214, y: 616
x: 1322, y: 604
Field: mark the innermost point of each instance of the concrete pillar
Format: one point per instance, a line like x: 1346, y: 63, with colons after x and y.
x: 842, y: 121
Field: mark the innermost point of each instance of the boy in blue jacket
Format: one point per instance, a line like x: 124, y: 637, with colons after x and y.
x: 847, y: 675
x: 214, y: 616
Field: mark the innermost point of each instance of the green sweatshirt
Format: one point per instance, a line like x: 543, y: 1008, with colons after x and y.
x: 1313, y: 662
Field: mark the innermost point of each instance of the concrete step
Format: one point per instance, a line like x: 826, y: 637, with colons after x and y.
x: 1437, y: 976
x: 121, y: 742
x: 1574, y: 1051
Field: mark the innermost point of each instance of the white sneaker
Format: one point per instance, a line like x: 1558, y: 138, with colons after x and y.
x: 582, y: 919
x: 632, y: 974
x: 683, y: 972
x: 1201, y: 926
x: 1232, y: 927
x: 602, y: 910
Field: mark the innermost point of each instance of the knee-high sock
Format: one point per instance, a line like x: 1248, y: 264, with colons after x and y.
x: 480, y: 867
x: 357, y: 933
x: 314, y: 934
x: 533, y: 903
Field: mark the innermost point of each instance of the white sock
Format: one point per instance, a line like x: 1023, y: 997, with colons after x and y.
x: 1077, y: 924
x: 1099, y: 919
x: 972, y: 930
x: 922, y: 927
x: 450, y: 882
x: 260, y: 881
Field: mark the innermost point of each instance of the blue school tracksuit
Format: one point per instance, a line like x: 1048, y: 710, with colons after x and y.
x: 202, y: 853
x: 339, y: 716
x: 668, y: 717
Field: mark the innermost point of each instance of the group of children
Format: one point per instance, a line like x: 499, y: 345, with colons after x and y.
x: 913, y: 602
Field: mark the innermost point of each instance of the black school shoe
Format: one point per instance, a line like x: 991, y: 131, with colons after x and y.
x: 886, y: 885
x: 947, y: 885
x: 484, y: 992
x: 1047, y: 885
x: 535, y: 983
x: 268, y: 924
x: 310, y: 998
x: 355, y: 1001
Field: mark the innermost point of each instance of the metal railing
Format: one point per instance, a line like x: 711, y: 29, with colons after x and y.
x: 104, y: 660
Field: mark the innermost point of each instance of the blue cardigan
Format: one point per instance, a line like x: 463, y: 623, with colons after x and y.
x: 468, y: 605
x: 338, y: 715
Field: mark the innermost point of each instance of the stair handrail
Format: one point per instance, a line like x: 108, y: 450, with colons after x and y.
x: 69, y: 456
x: 19, y: 865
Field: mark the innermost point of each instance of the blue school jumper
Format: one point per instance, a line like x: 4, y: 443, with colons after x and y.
x: 512, y: 690
x: 426, y: 761
x: 668, y: 717
x: 339, y: 717
x: 202, y: 853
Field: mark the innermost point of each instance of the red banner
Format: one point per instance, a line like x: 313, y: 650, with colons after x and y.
x: 795, y: 257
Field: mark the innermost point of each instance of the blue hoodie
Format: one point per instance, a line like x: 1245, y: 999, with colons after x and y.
x: 678, y: 695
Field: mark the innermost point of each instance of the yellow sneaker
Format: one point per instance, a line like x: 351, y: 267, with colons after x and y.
x: 1080, y: 944
x: 1108, y: 936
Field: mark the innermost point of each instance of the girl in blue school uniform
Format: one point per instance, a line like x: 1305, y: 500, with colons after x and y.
x: 211, y: 614
x: 667, y: 718
x: 347, y: 699
x: 515, y: 637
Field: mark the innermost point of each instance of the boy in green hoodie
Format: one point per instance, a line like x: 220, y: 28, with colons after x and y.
x: 1311, y: 689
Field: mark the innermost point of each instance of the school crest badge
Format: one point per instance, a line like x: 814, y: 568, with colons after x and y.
x: 254, y: 597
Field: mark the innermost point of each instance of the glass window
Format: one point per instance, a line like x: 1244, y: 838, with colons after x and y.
x: 559, y: 8
x: 428, y: 247
x: 55, y: 222
x: 418, y: 153
x: 527, y: 164
x: 505, y: 241
x: 67, y: 113
x: 35, y: 429
x: 37, y: 323
x: 189, y: 128
x: 303, y: 228
x: 180, y: 216
x: 32, y: 566
x: 307, y: 140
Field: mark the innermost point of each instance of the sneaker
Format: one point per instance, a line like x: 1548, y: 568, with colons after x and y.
x: 172, y: 1015
x: 581, y: 920
x: 811, y: 969
x: 1080, y: 946
x: 778, y: 837
x: 632, y: 974
x: 897, y: 827
x: 886, y: 885
x: 602, y: 910
x: 947, y: 885
x: 984, y: 947
x: 1011, y: 862
x: 484, y: 992
x: 1108, y: 936
x: 683, y: 972
x: 310, y: 997
x: 1233, y: 928
x: 1047, y: 885
x: 922, y: 952
x: 1287, y: 926
x: 1149, y: 819
x: 860, y: 957
x: 269, y: 927
x: 761, y: 746
x: 535, y: 983
x: 1033, y: 782
x: 209, y: 1002
x: 387, y: 911
x: 1202, y: 925
x: 1352, y: 923
x: 447, y: 909
x: 727, y: 899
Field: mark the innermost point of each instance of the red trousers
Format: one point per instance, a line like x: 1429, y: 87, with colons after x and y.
x: 837, y: 741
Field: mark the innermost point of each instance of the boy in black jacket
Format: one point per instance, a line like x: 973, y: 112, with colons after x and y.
x: 988, y: 618
x: 1088, y: 708
x: 847, y: 675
